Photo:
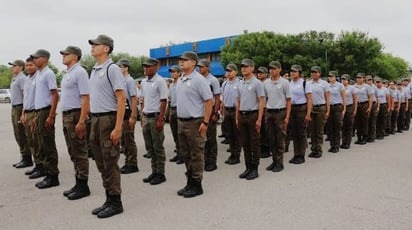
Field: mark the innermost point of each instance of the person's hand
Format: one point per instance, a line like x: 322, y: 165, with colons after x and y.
x: 115, y: 136
x: 49, y: 122
x: 160, y: 124
x: 132, y: 122
x: 203, y: 129
x: 80, y: 130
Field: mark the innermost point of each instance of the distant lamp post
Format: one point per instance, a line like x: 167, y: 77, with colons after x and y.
x: 326, y: 55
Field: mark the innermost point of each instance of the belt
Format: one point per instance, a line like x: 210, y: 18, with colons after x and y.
x: 173, y: 107
x: 150, y: 115
x: 298, y: 105
x: 275, y: 110
x: 363, y: 102
x: 349, y: 105
x: 317, y: 106
x: 14, y: 106
x: 382, y: 104
x: 44, y: 108
x: 248, y: 112
x: 29, y: 110
x: 189, y: 118
x: 403, y: 103
x: 336, y: 104
x: 230, y: 108
x: 103, y: 114
x: 67, y: 112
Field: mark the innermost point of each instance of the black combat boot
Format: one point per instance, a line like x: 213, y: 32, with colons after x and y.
x: 67, y: 192
x: 195, y: 189
x: 253, y: 174
x: 25, y: 162
x: 104, y: 206
x: 81, y: 191
x: 38, y: 172
x: 246, y: 172
x: 114, y: 207
x: 48, y: 182
x: 187, y: 186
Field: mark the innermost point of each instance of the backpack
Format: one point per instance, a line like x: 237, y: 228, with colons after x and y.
x: 128, y: 111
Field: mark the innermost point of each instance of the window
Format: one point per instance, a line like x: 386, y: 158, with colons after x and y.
x: 215, y: 56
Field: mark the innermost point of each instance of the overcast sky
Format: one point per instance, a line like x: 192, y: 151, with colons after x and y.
x: 136, y: 26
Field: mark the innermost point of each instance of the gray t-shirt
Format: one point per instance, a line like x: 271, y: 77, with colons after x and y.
x: 130, y: 88
x: 249, y: 93
x: 152, y: 91
x: 394, y: 94
x: 191, y: 92
x: 29, y: 92
x: 336, y: 93
x: 45, y: 82
x: 230, y: 92
x: 364, y: 91
x: 172, y: 94
x: 319, y: 88
x: 276, y: 93
x: 382, y: 93
x: 350, y: 90
x: 298, y: 90
x: 74, y: 84
x: 102, y: 94
x: 16, y: 88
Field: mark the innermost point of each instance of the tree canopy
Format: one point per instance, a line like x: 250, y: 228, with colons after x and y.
x: 347, y: 52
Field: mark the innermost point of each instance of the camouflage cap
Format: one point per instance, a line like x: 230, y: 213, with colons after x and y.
x: 315, y: 68
x: 124, y: 62
x: 231, y: 67
x: 345, y: 77
x: 203, y: 63
x: 17, y: 63
x: 150, y: 62
x: 41, y: 53
x: 247, y: 62
x: 189, y: 55
x: 362, y: 75
x: 368, y: 77
x: 296, y: 68
x: 332, y: 74
x: 72, y: 50
x: 275, y: 64
x: 175, y: 68
x: 102, y: 40
x: 262, y: 69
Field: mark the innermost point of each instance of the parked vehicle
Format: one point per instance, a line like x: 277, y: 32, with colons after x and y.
x: 5, y: 95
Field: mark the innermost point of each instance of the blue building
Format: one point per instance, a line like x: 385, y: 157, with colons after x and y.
x: 209, y: 49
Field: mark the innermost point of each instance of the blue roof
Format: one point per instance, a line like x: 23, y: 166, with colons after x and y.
x: 216, y: 69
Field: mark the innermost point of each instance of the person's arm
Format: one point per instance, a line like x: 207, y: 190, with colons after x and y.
x: 308, y: 107
x: 215, y: 116
x: 370, y: 102
x: 84, y: 111
x: 343, y: 95
x: 121, y: 106
x: 327, y: 100
x: 288, y: 109
x: 52, y: 115
x: 133, y: 116
x: 161, y: 118
x: 206, y: 118
x: 237, y: 112
x: 355, y: 103
x: 261, y: 101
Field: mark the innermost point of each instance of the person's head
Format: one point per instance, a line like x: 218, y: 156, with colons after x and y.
x: 247, y: 67
x: 175, y: 72
x: 41, y: 58
x: 392, y: 85
x: 315, y: 72
x: 385, y: 83
x: 204, y: 67
x: 275, y: 68
x: 188, y: 61
x: 30, y: 66
x: 124, y: 65
x: 405, y: 81
x: 231, y: 71
x: 71, y: 55
x: 332, y: 75
x: 345, y: 79
x: 399, y: 85
x: 17, y: 66
x: 150, y: 66
x: 369, y: 79
x: 295, y: 72
x: 102, y: 46
x: 360, y: 78
x: 378, y: 82
x: 262, y: 73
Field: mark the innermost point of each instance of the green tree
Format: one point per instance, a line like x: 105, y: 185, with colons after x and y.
x: 136, y: 69
x: 5, y: 76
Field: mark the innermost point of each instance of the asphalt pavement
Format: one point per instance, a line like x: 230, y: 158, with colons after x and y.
x: 365, y: 187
